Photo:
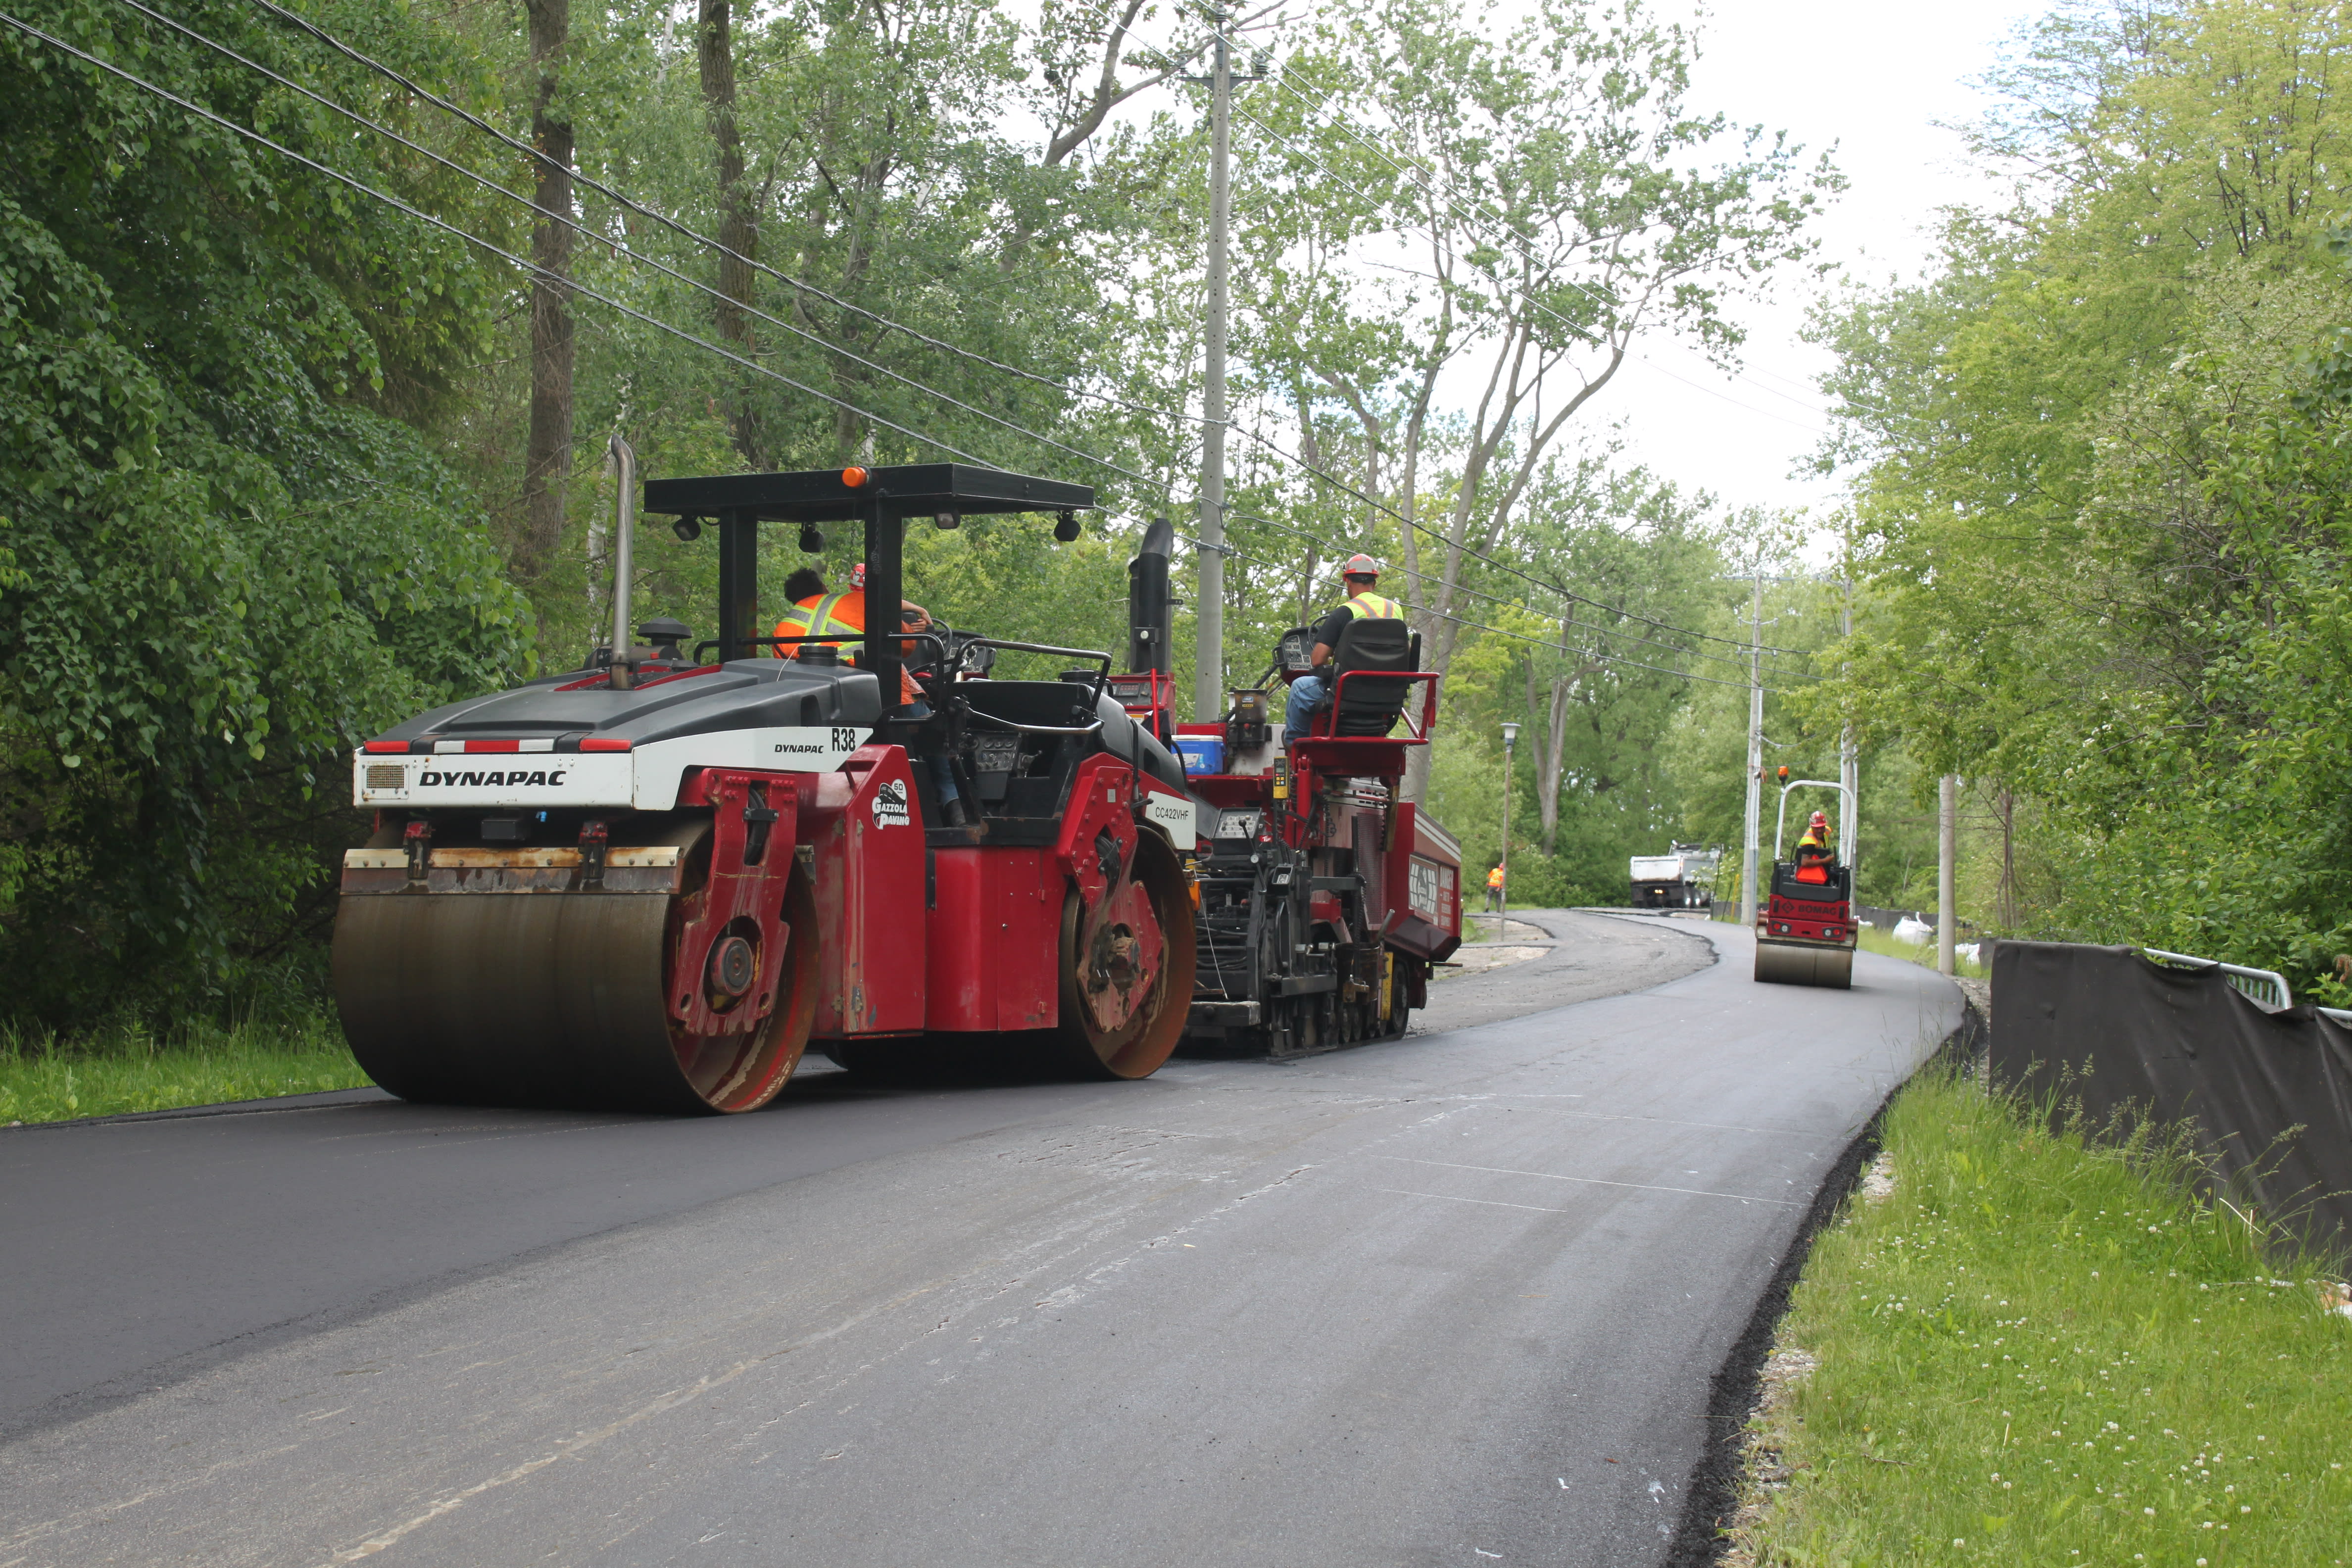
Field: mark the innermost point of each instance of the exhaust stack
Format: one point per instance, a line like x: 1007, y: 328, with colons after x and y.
x: 625, y: 518
x: 1151, y: 612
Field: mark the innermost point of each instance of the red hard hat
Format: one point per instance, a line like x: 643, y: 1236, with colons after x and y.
x: 1820, y: 820
x: 858, y: 576
x: 1359, y: 566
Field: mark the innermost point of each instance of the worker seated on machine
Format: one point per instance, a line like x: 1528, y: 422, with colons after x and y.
x: 1816, y: 858
x: 1309, y: 693
x: 816, y: 613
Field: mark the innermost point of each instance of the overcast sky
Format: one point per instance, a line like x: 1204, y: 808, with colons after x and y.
x: 1873, y: 81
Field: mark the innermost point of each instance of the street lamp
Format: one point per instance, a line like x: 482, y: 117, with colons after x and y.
x: 1510, y: 740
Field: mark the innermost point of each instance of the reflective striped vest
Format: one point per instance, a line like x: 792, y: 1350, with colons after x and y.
x: 815, y: 616
x: 1372, y: 607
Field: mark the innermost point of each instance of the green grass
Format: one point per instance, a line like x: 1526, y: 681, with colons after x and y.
x: 1873, y: 940
x: 2040, y: 1352
x: 127, y: 1068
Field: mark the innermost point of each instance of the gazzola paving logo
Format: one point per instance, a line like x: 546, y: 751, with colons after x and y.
x: 890, y: 804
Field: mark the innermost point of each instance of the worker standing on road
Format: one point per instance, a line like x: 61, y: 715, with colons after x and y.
x: 819, y: 614
x: 1815, y: 853
x: 1359, y: 575
x: 1494, y: 891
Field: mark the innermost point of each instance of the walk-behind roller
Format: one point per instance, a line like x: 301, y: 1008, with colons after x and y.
x: 650, y: 884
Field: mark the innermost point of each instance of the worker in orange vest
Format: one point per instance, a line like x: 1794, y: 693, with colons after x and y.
x: 1495, y: 890
x: 1815, y: 854
x: 820, y: 613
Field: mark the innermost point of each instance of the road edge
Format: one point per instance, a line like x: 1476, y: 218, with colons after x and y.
x: 1711, y: 1495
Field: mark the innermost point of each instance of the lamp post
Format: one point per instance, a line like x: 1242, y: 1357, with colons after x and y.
x: 1510, y: 740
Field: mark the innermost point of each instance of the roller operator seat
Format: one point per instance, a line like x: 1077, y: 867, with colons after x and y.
x: 1367, y: 706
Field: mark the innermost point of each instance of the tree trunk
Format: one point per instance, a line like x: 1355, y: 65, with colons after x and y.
x: 547, y: 461
x: 738, y: 232
x: 1548, y: 764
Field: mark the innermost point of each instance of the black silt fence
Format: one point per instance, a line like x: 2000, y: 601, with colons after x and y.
x: 2270, y: 1092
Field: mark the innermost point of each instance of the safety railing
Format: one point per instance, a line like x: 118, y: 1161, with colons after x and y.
x: 2265, y: 986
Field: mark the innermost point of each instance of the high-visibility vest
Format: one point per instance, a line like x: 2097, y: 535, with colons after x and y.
x: 843, y: 614
x: 1814, y: 867
x: 818, y: 615
x: 1372, y: 607
x: 1494, y: 878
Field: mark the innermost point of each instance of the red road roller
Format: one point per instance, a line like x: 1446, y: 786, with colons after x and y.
x: 650, y: 884
x: 1805, y: 930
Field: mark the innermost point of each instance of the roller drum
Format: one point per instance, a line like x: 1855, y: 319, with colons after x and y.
x: 1790, y: 964
x: 554, y: 1000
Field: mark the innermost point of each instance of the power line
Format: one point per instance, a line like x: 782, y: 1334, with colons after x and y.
x: 1600, y: 654
x: 622, y: 249
x: 1424, y: 528
x: 479, y: 124
x: 534, y: 269
x: 635, y: 256
x: 531, y: 267
x: 1514, y: 605
x: 475, y: 121
x: 802, y: 285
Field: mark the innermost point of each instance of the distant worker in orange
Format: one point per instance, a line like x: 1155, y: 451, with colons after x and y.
x: 1816, y: 856
x: 818, y: 613
x: 1494, y: 891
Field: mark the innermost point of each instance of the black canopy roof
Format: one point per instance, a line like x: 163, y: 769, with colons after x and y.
x: 819, y: 495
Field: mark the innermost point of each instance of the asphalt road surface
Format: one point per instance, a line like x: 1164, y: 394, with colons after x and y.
x: 1455, y: 1299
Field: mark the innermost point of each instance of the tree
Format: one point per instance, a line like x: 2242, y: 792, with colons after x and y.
x: 229, y: 560
x: 1536, y: 179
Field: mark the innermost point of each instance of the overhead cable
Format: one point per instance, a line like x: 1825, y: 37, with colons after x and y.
x: 535, y: 271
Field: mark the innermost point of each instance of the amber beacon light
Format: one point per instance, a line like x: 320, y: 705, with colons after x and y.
x: 853, y: 477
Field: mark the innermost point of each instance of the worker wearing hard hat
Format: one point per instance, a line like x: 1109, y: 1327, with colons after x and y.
x: 1359, y: 574
x: 816, y: 613
x: 1816, y: 853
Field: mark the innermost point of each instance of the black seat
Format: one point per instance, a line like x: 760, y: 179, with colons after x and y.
x: 1370, y: 706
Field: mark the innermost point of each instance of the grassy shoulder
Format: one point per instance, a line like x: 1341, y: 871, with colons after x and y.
x: 2035, y: 1351
x: 127, y: 1069
x: 1873, y: 940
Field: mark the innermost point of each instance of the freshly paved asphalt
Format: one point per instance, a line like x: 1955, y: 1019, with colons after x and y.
x: 1451, y: 1299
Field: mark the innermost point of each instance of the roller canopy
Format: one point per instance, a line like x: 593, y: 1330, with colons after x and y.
x: 883, y: 501
x: 820, y: 495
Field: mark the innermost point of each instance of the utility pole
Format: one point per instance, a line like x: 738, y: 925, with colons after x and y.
x: 1947, y: 855
x: 1510, y: 738
x: 1209, y: 655
x: 1849, y: 774
x: 1755, y: 750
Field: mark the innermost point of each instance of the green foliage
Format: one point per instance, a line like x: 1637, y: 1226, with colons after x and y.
x: 2043, y: 1350
x: 227, y: 562
x: 2102, y: 462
